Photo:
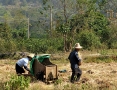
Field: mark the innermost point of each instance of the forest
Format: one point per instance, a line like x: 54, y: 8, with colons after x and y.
x: 49, y: 26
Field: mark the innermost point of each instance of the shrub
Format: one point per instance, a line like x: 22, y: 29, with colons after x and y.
x: 17, y: 83
x: 89, y: 40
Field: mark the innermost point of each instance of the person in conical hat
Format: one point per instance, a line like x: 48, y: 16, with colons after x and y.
x: 22, y: 63
x: 75, y: 62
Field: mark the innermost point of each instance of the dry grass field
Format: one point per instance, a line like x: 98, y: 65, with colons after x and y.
x: 96, y: 76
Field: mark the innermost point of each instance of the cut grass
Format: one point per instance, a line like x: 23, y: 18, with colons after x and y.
x: 99, y: 73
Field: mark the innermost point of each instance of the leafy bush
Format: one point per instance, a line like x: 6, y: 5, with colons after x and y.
x: 7, y: 46
x: 89, y: 40
x: 17, y: 83
x: 59, y: 81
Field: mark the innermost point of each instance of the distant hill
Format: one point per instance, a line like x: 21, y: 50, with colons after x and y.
x: 111, y: 4
x: 25, y: 2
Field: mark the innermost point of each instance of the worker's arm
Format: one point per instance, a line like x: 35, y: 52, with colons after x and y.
x: 69, y: 57
x: 79, y: 60
x: 79, y: 63
x: 27, y: 68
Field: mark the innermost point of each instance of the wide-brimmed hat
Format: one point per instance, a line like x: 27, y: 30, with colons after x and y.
x: 77, y: 45
x: 30, y: 55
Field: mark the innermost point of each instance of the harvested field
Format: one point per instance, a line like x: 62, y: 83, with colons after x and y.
x: 96, y: 76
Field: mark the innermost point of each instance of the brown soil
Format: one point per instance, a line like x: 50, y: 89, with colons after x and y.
x: 101, y: 74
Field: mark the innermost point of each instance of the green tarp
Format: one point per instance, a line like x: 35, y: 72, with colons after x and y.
x: 40, y: 58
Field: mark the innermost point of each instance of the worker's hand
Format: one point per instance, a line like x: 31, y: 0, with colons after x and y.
x: 79, y: 63
x: 29, y: 72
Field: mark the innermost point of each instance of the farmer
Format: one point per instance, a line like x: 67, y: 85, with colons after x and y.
x: 75, y: 61
x: 22, y: 63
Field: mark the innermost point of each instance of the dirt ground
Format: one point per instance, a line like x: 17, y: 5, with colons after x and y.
x: 94, y: 74
x: 104, y: 74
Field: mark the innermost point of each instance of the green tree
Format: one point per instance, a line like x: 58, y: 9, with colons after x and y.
x: 89, y: 39
x: 89, y: 18
x: 63, y: 23
x: 19, y: 25
x: 112, y: 42
x: 7, y: 44
x: 5, y: 32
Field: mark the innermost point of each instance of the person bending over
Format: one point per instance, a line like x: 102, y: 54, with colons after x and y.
x: 22, y: 63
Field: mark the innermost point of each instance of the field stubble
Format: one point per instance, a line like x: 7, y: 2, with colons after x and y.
x: 98, y: 76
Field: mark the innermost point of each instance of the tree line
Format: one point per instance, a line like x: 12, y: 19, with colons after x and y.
x: 57, y: 25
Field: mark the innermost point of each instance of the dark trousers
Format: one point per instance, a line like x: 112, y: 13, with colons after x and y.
x: 76, y: 74
x: 19, y: 70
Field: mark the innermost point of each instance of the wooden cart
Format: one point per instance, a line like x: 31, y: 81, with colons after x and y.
x: 43, y: 70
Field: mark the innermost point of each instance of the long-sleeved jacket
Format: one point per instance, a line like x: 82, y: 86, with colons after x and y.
x: 74, y: 59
